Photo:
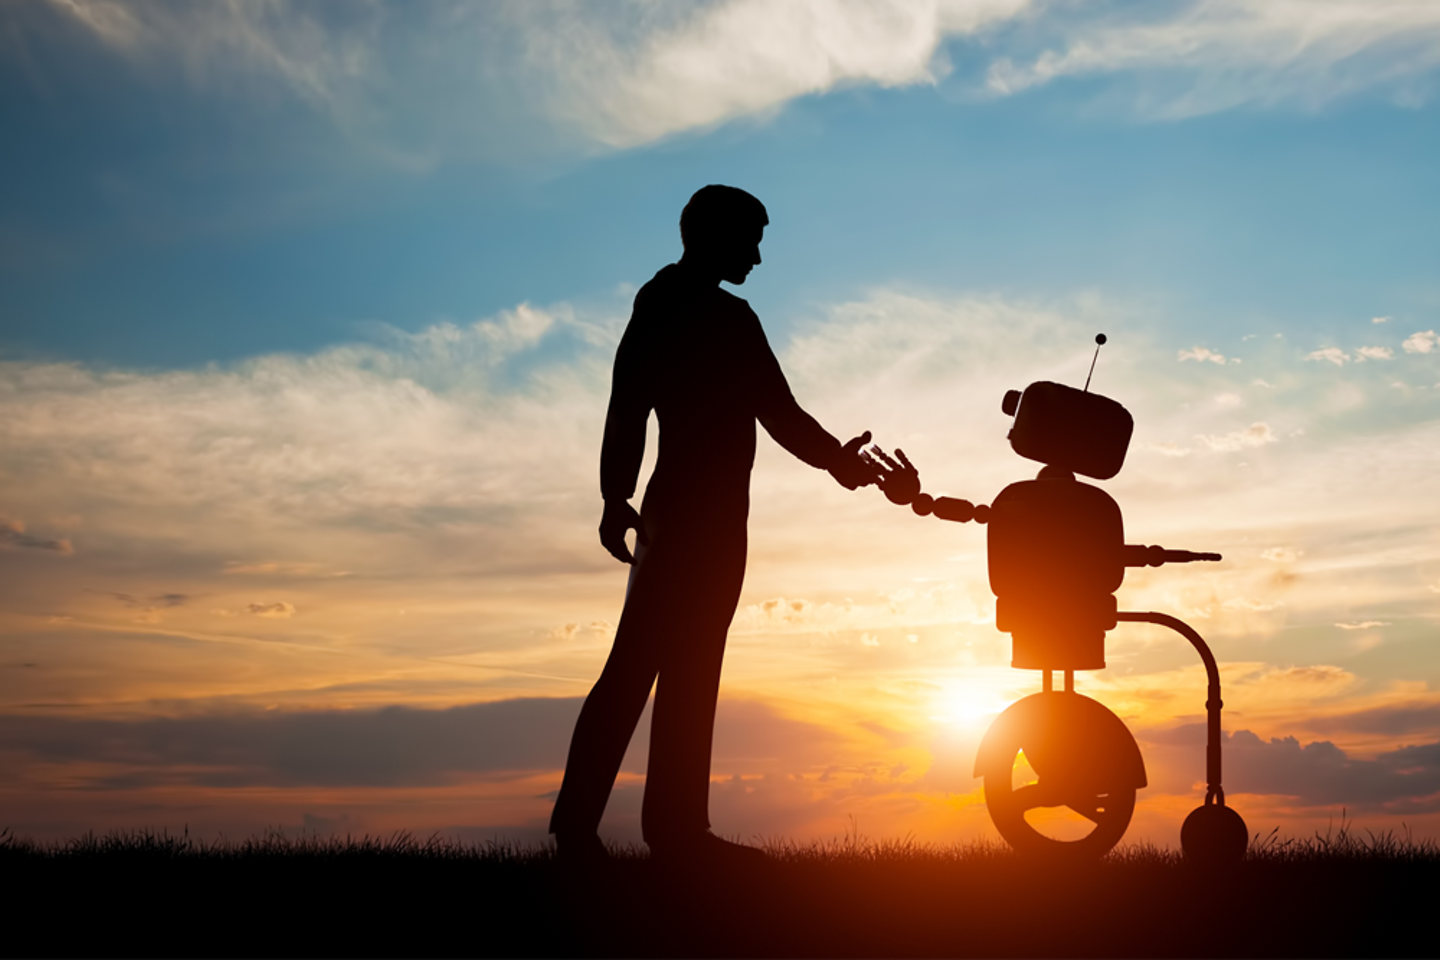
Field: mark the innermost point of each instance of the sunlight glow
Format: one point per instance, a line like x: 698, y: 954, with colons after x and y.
x: 970, y: 702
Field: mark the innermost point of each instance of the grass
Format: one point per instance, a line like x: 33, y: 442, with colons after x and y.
x: 1343, y: 893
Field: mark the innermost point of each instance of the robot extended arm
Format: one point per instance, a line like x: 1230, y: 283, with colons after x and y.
x: 901, y: 483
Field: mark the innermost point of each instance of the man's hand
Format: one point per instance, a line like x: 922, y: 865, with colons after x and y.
x: 850, y: 469
x: 618, y: 519
x: 900, y: 480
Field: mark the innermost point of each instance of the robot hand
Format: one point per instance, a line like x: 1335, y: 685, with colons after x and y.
x: 899, y: 480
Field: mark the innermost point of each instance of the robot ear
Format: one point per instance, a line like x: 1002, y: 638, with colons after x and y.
x: 1011, y: 403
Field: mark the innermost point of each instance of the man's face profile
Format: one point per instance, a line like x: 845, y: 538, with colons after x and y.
x: 734, y: 253
x: 721, y: 228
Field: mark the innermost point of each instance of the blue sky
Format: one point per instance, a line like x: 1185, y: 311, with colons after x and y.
x: 161, y: 218
x: 306, y: 313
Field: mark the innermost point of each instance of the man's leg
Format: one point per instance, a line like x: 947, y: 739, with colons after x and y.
x: 608, y: 718
x: 677, y: 779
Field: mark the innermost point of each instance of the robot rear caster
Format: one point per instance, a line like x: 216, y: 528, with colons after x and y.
x: 1057, y: 553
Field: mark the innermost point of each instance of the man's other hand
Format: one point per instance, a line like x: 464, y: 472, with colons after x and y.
x: 620, y: 518
x: 850, y: 469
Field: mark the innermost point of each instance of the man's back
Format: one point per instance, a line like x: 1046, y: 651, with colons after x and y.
x: 698, y: 357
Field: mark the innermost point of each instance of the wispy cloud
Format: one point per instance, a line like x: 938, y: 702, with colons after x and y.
x: 1206, y: 354
x: 628, y: 73
x: 1201, y: 57
x: 742, y: 58
x: 1329, y: 355
x: 619, y: 74
x: 279, y: 609
x: 1256, y: 435
x: 12, y: 533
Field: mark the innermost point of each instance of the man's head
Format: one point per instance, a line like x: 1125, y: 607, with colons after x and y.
x: 721, y: 228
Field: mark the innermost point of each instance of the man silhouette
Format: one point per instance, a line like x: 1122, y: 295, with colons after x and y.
x: 697, y: 356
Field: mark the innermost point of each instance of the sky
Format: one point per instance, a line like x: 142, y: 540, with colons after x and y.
x: 307, y: 313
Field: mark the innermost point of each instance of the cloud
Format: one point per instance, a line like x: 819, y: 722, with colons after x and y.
x: 1394, y: 720
x: 226, y: 43
x: 1167, y: 449
x: 1202, y: 57
x: 1379, y: 319
x: 278, y: 568
x: 1250, y: 604
x: 452, y: 473
x: 1256, y: 435
x: 1330, y: 355
x: 1204, y: 353
x: 1363, y: 625
x: 454, y: 425
x: 742, y: 58
x: 425, y: 82
x: 620, y: 74
x: 1321, y: 774
x: 1317, y: 774
x: 12, y: 534
x: 1373, y: 353
x: 278, y: 609
x: 1423, y: 342
x: 389, y: 747
x: 1281, y: 554
x: 163, y: 600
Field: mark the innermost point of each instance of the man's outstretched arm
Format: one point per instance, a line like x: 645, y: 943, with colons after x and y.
x: 802, y: 435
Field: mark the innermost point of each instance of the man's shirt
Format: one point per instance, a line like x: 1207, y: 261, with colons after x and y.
x: 698, y: 357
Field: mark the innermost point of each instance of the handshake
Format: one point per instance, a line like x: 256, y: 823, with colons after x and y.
x: 899, y: 480
x: 857, y: 467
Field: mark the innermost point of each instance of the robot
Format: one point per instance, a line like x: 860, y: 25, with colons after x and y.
x: 1056, y: 554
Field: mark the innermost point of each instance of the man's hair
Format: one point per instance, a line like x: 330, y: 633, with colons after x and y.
x: 715, y: 212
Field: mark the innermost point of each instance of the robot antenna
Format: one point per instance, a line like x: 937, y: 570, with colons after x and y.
x: 1099, y: 342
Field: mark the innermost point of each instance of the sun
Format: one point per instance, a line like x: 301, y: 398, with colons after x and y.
x: 971, y: 702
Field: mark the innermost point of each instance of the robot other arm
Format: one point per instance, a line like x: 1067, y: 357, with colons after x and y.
x: 1139, y: 555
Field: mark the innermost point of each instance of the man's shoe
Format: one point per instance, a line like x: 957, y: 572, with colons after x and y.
x: 580, y: 850
x: 706, y: 850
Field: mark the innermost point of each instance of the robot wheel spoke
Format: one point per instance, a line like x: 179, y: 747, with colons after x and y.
x: 1035, y: 795
x: 1091, y: 808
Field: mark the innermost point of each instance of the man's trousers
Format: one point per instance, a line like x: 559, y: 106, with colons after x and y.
x: 682, y: 597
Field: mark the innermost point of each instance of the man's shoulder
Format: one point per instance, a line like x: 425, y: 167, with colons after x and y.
x: 667, y: 279
x: 733, y: 302
x: 672, y: 289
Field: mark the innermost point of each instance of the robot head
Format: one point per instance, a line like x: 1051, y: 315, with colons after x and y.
x: 1071, y: 429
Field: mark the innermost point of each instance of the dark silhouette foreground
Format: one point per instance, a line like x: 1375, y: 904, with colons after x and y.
x: 157, y: 897
x: 695, y: 355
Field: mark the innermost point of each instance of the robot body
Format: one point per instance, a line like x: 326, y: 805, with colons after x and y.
x: 1057, y: 554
